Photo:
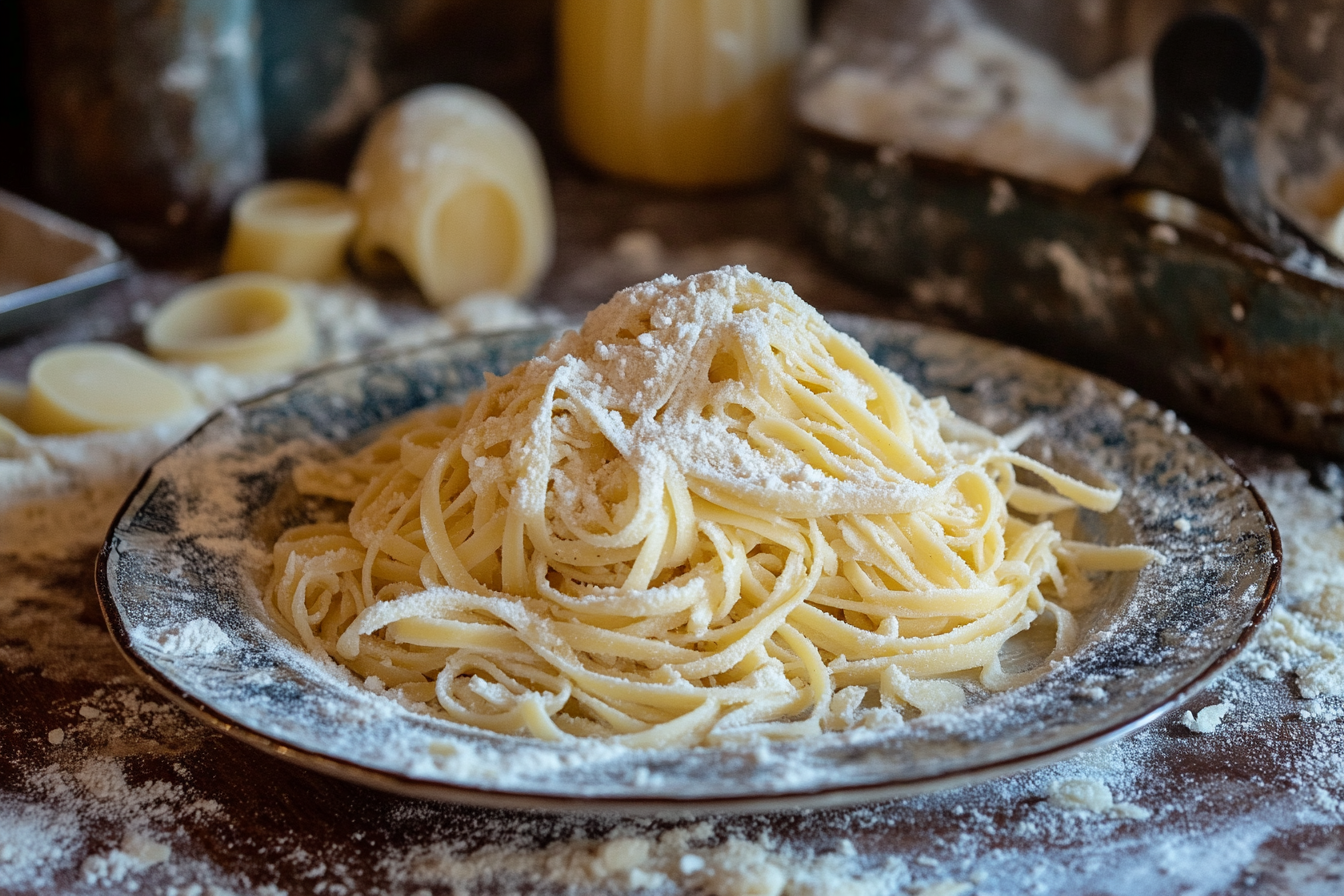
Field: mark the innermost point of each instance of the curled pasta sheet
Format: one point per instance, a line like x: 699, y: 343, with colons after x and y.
x: 705, y: 516
x: 451, y: 184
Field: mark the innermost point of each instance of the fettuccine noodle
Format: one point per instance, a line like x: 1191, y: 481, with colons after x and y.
x: 705, y: 516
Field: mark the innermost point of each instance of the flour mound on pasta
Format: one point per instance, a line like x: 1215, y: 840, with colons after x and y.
x: 704, y: 516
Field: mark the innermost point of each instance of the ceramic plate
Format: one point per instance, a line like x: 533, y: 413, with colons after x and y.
x: 180, y: 576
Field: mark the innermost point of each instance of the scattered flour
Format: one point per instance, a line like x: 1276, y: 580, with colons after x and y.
x: 1324, y: 678
x: 35, y: 840
x: 693, y: 857
x: 1209, y: 718
x: 137, y: 852
x: 489, y: 312
x: 1091, y: 795
x: 1305, y: 633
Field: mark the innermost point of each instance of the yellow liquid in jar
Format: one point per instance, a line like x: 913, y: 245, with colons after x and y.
x: 682, y: 93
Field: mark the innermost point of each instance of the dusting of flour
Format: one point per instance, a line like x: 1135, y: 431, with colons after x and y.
x: 192, y: 638
x: 1305, y: 635
x: 642, y: 366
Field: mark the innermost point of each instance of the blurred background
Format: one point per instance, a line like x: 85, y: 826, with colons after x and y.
x: 790, y: 125
x: 146, y: 118
x: 115, y: 111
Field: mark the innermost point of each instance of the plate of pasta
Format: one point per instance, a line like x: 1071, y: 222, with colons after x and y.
x: 710, y: 549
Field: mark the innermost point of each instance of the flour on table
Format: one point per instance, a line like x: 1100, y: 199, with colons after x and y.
x: 1305, y: 633
x: 136, y: 853
x: 1092, y: 795
x: 489, y: 312
x: 1209, y: 718
x: 695, y: 857
x: 35, y: 841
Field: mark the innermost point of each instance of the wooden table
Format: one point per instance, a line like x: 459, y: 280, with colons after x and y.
x: 1255, y: 806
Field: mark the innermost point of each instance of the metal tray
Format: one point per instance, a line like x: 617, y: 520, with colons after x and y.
x: 49, y: 265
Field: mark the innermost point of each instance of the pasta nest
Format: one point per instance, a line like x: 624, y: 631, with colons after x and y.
x: 705, y: 516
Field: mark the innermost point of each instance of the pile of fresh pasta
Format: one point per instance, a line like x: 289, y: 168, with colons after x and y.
x: 707, y: 516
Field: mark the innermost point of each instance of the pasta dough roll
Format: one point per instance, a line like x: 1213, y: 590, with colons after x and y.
x: 296, y: 228
x: 451, y: 184
x: 245, y: 323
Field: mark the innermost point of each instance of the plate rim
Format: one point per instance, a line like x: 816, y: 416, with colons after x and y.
x: 819, y: 798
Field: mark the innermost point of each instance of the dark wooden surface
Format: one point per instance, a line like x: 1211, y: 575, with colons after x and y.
x: 1256, y: 806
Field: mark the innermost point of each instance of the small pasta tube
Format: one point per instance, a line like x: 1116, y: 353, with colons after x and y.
x: 451, y: 184
x: 98, y: 385
x: 683, y: 93
x: 295, y: 228
x: 245, y: 323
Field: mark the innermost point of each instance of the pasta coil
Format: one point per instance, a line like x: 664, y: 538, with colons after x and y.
x: 705, y: 516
